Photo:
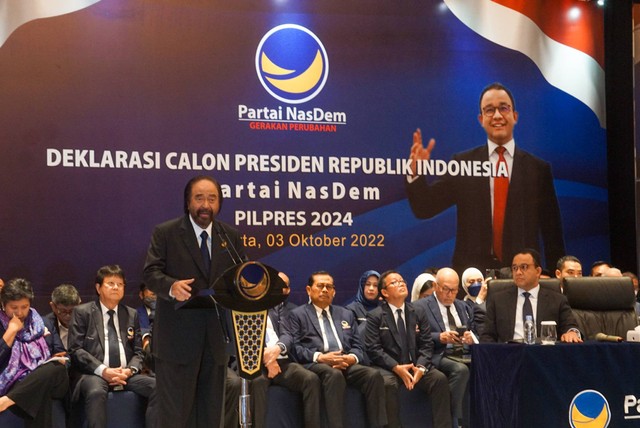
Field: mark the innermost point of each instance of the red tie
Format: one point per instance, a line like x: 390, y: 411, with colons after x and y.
x: 500, y: 191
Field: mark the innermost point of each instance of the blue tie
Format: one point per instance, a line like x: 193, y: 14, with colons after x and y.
x: 332, y: 342
x: 204, y: 249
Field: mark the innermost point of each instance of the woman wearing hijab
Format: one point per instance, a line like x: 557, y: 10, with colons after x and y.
x: 422, y: 286
x: 475, y: 287
x: 366, y: 298
x: 27, y: 383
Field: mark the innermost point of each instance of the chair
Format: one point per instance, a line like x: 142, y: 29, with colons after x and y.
x: 602, y: 305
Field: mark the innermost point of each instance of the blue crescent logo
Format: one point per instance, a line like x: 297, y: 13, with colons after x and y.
x: 589, y: 409
x: 292, y: 63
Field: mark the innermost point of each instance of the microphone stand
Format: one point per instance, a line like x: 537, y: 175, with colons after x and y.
x: 244, y: 400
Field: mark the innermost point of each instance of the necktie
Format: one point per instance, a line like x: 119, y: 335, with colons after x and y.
x: 332, y: 342
x: 114, y: 347
x: 402, y: 332
x: 526, y: 307
x: 451, y: 319
x: 204, y: 250
x: 500, y: 191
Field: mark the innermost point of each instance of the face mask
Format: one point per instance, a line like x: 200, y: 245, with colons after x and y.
x: 474, y: 289
x: 150, y: 302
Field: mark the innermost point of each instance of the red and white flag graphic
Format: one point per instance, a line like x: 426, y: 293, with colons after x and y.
x: 564, y: 38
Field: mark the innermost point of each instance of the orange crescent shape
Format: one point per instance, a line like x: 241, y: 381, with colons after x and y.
x: 305, y: 81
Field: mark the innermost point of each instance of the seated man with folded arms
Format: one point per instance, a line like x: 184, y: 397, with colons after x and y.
x: 106, y: 350
x: 325, y: 340
x: 507, y: 310
x: 398, y: 341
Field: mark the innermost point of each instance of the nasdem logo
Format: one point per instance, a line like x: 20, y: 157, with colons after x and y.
x: 589, y: 409
x: 292, y: 63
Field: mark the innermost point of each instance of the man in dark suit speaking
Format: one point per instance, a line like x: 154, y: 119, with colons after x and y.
x: 185, y: 255
x: 498, y: 214
x: 507, y: 309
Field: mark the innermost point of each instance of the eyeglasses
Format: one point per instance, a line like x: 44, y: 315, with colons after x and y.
x: 447, y: 290
x: 66, y: 312
x: 490, y: 111
x: 329, y: 287
x: 523, y: 267
x: 114, y: 284
x: 397, y: 282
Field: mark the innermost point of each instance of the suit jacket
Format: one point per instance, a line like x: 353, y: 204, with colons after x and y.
x: 143, y: 317
x: 303, y: 327
x: 382, y: 340
x: 501, y: 314
x: 53, y: 340
x: 180, y: 335
x: 431, y: 310
x: 532, y: 210
x: 86, y: 337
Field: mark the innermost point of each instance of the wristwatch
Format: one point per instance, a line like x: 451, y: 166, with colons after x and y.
x: 423, y: 369
x: 134, y: 370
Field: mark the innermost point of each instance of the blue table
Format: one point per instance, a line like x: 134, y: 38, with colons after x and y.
x: 567, y: 385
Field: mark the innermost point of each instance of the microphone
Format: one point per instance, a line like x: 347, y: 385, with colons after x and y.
x: 226, y: 243
x: 601, y: 337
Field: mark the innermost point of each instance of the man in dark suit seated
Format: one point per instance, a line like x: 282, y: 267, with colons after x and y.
x: 106, y: 350
x: 398, y: 341
x: 325, y: 340
x: 446, y: 315
x: 507, y: 309
x: 64, y: 298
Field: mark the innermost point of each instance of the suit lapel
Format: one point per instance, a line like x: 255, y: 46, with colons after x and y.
x: 123, y: 321
x: 461, y: 309
x: 313, y: 318
x: 410, y: 322
x: 96, y: 319
x: 337, y: 323
x: 393, y: 326
x: 512, y: 302
x: 435, y: 310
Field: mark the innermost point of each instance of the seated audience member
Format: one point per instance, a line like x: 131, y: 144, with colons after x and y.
x: 422, y: 286
x: 506, y: 310
x: 146, y: 311
x: 634, y: 280
x: 398, y: 341
x: 27, y: 383
x: 106, y: 349
x: 446, y: 315
x: 64, y: 298
x: 598, y: 268
x: 280, y: 370
x: 612, y: 272
x: 325, y: 341
x: 475, y: 287
x: 568, y: 267
x: 366, y: 298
